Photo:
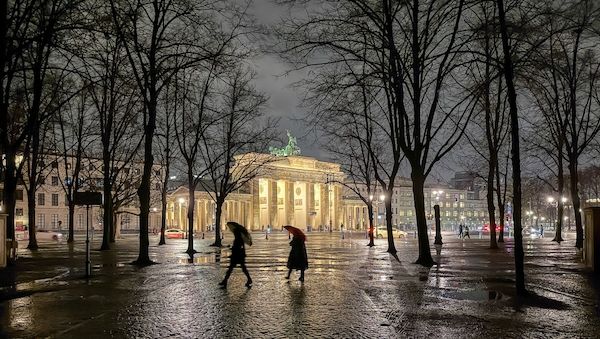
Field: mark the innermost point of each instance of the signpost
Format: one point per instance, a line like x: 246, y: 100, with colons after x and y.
x: 87, y: 199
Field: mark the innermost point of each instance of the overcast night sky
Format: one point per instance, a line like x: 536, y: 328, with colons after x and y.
x: 271, y: 78
x: 285, y: 101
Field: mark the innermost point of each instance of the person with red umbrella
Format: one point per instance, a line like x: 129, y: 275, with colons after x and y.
x: 238, y: 252
x: 298, y: 259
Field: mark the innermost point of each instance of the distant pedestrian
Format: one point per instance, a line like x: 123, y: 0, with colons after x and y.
x: 466, y: 232
x: 541, y: 231
x: 298, y: 259
x: 238, y: 252
x: 460, y: 230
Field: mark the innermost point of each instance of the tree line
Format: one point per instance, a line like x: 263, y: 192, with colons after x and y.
x: 146, y: 88
x: 397, y: 86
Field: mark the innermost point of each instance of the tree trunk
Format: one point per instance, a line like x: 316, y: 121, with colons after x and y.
x: 10, y: 188
x: 163, y: 217
x: 113, y: 230
x: 515, y: 151
x: 388, y: 223
x: 32, y: 245
x: 371, y: 226
x: 418, y: 181
x: 107, y: 217
x: 561, y: 188
x: 144, y: 189
x: 500, y: 201
x: 218, y: 212
x: 574, y: 180
x: 490, y: 202
x: 190, y: 214
x: 71, y: 220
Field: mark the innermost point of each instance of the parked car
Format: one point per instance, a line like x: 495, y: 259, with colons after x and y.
x: 46, y: 235
x: 174, y: 233
x: 486, y: 228
x: 381, y: 232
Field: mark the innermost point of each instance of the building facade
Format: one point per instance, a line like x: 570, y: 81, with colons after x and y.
x: 52, y: 210
x: 287, y: 190
x: 312, y: 195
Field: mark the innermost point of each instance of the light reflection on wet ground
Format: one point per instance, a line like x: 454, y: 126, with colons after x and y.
x: 350, y: 291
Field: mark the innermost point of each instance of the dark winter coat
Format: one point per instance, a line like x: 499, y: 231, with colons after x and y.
x: 298, y: 260
x: 238, y: 251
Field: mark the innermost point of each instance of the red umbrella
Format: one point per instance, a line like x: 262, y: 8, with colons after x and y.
x: 296, y: 232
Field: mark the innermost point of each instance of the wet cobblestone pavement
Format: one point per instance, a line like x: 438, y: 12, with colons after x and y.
x: 351, y: 291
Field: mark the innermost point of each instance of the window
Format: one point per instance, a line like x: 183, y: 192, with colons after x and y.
x: 19, y: 212
x: 41, y: 221
x: 54, y: 221
x: 125, y: 221
x: 19, y: 195
x: 462, y: 204
x: 66, y: 200
x: 54, y: 164
x: 54, y: 181
x: 41, y: 199
x: 54, y: 199
x: 80, y: 221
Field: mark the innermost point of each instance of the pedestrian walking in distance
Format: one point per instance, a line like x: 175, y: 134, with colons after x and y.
x: 541, y: 231
x: 238, y: 252
x: 298, y: 259
x: 460, y: 230
x: 466, y: 230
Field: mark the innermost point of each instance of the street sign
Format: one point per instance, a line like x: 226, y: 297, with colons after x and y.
x: 87, y: 198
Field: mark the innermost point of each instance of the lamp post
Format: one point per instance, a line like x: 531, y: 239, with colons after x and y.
x: 435, y: 194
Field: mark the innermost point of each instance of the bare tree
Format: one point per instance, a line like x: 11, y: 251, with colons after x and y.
x: 115, y: 102
x: 194, y: 103
x: 580, y: 84
x: 490, y: 91
x: 413, y: 54
x: 74, y: 139
x: 509, y: 75
x: 165, y: 152
x: 30, y: 33
x: 231, y: 148
x: 162, y: 37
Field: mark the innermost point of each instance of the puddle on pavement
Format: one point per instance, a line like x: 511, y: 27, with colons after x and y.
x: 198, y: 260
x: 475, y: 295
x: 109, y: 265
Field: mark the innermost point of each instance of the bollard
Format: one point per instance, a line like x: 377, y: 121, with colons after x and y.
x: 202, y: 235
x: 267, y: 235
